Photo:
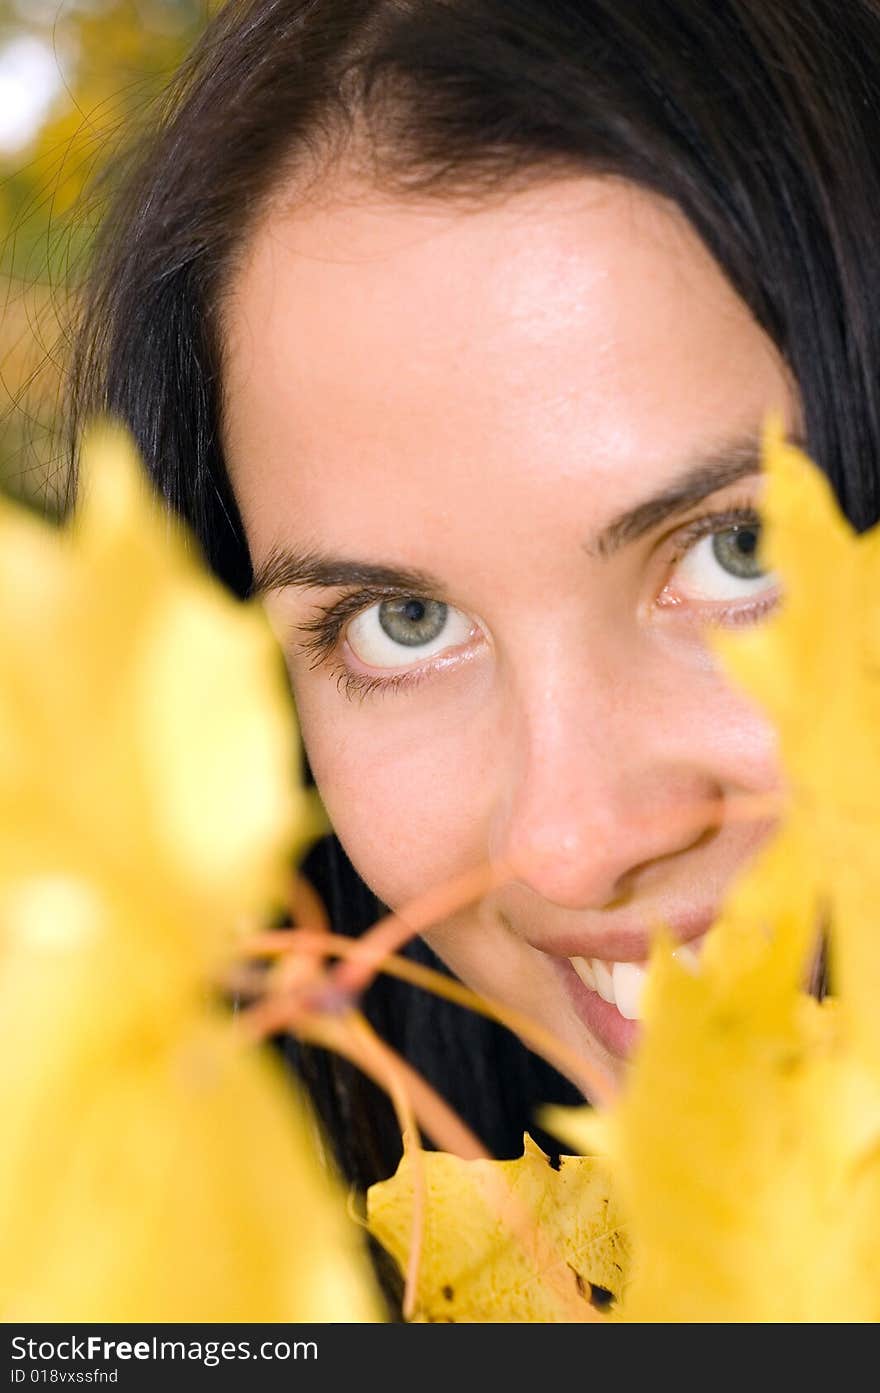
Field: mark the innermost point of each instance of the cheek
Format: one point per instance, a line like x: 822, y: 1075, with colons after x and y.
x: 403, y: 800
x: 741, y: 740
x: 703, y: 720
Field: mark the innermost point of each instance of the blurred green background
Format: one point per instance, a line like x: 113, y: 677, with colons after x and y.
x: 76, y: 78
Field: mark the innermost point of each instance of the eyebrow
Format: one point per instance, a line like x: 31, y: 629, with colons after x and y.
x: 731, y: 461
x: 728, y: 463
x: 284, y: 566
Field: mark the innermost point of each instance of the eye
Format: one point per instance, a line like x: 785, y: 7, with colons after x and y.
x: 721, y: 564
x: 394, y: 632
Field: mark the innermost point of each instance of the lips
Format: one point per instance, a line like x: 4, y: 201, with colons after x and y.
x: 621, y: 983
x: 622, y: 943
x: 604, y: 974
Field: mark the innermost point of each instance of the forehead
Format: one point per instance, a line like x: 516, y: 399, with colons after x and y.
x: 565, y: 348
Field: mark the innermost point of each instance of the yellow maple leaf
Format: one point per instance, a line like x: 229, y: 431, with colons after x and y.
x: 505, y: 1240
x: 815, y: 667
x: 745, y: 1159
x: 151, y: 1167
x: 746, y: 1146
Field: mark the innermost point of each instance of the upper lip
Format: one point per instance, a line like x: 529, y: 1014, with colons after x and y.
x: 624, y: 943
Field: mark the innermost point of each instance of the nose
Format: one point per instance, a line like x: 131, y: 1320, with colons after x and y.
x: 595, y: 794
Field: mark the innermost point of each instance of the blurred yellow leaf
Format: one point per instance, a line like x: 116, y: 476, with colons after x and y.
x: 815, y: 667
x: 151, y: 1167
x: 746, y: 1161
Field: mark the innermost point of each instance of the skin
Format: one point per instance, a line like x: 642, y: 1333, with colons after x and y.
x: 475, y: 393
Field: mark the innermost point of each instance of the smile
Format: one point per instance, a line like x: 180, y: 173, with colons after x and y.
x: 607, y: 993
x: 621, y: 984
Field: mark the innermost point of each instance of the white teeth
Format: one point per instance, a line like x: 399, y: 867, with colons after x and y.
x: 629, y: 983
x: 584, y: 971
x: 622, y: 984
x: 604, y: 980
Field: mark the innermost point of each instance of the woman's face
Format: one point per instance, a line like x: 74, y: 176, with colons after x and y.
x: 505, y: 453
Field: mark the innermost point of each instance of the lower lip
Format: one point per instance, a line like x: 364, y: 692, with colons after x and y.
x: 604, y: 1021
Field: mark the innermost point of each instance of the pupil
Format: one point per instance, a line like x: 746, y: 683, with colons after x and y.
x: 747, y: 541
x: 412, y: 622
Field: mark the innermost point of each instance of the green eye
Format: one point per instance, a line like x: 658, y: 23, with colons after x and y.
x: 400, y: 632
x: 718, y: 558
x: 412, y: 622
x: 736, y: 551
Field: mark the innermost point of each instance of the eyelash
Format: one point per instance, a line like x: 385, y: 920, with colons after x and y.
x: 327, y: 627
x: 326, y: 631
x: 706, y: 526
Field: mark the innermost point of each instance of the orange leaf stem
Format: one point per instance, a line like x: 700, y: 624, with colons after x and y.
x: 593, y: 1082
x: 434, y: 1115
